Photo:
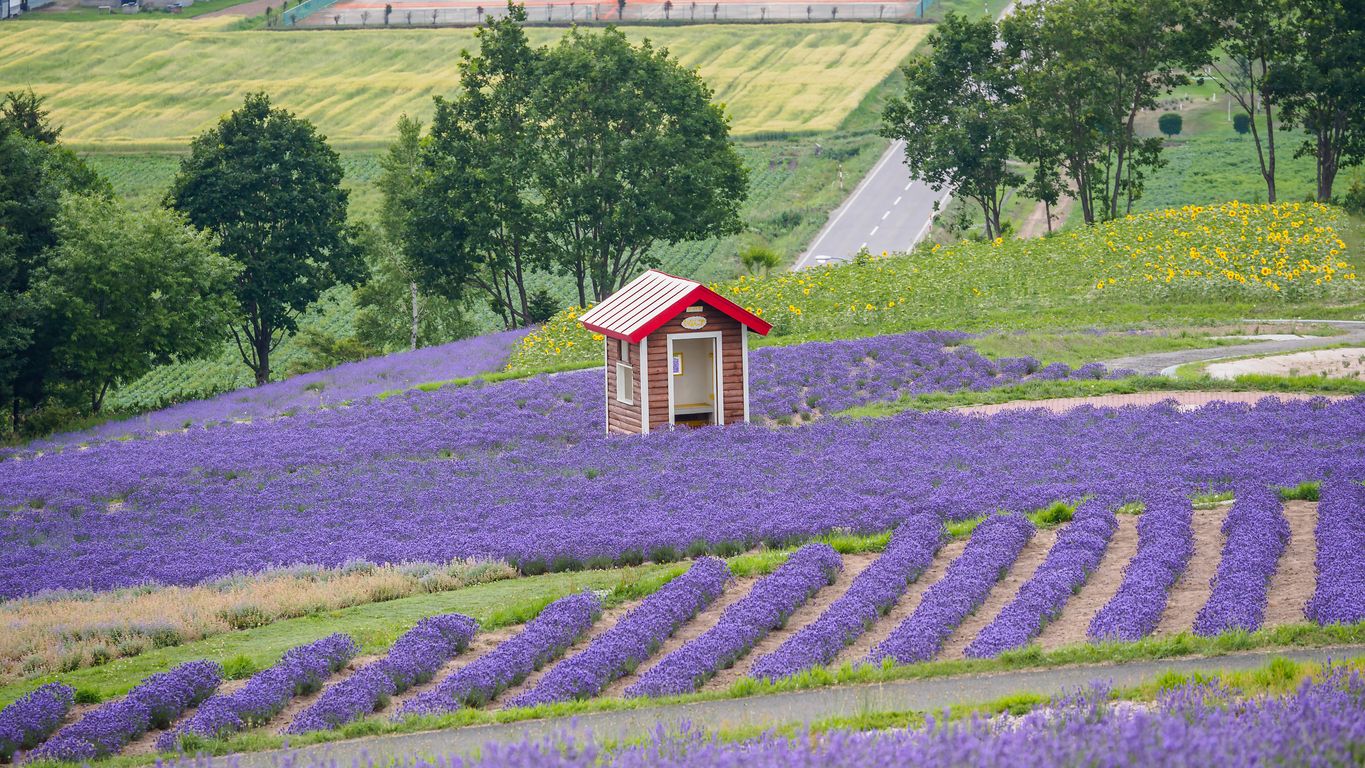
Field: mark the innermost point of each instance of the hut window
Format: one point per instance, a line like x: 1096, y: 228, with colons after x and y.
x: 625, y: 351
x: 625, y: 384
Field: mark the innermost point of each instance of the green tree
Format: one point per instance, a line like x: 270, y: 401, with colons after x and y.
x: 632, y: 152
x: 475, y: 215
x: 1322, y: 89
x: 1242, y: 124
x: 390, y: 315
x: 128, y: 291
x: 759, y: 259
x: 1098, y: 64
x: 269, y: 187
x: 955, y: 116
x: 1254, y: 39
x: 23, y: 113
x: 1170, y: 123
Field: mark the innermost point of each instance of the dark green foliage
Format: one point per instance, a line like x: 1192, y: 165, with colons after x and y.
x: 269, y: 187
x: 22, y: 112
x: 543, y: 306
x: 1241, y: 123
x: 1170, y: 123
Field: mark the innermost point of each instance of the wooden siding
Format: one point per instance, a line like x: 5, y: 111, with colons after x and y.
x: 732, y: 364
x: 623, y: 418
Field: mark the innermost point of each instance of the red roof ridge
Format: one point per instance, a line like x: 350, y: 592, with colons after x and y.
x: 653, y: 298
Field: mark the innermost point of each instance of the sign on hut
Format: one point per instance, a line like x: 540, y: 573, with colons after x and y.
x: 677, y: 354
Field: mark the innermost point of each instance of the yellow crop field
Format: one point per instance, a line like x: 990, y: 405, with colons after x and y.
x: 155, y: 84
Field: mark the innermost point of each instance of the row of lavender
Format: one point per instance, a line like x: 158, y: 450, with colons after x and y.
x: 491, y: 472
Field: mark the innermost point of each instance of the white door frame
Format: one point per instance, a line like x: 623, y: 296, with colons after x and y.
x: 716, y: 372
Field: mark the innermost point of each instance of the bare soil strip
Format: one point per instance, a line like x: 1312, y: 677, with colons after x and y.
x: 482, y: 643
x: 810, y: 611
x: 146, y: 743
x: 691, y: 630
x: 1296, y: 578
x: 1185, y: 400
x: 1192, y: 589
x: 901, y: 611
x: 1070, y: 627
x: 300, y: 703
x: 1030, y: 558
x: 606, y: 622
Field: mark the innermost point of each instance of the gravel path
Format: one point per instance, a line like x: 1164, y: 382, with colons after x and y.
x: 1165, y: 362
x: 1186, y: 401
x: 767, y: 711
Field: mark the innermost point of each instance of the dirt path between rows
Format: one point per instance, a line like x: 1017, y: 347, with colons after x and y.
x: 1025, y: 565
x: 1192, y: 589
x: 297, y: 704
x: 146, y: 743
x: 1296, y: 577
x: 604, y: 623
x: 698, y: 626
x: 811, y: 610
x: 1070, y: 628
x: 1185, y: 401
x: 482, y: 643
x: 910, y: 600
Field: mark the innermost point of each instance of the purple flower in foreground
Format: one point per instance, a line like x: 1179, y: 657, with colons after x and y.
x: 1069, y: 562
x: 743, y: 624
x: 544, y: 638
x: 414, y: 658
x: 634, y: 638
x: 1256, y: 533
x: 26, y: 722
x: 993, y: 548
x: 154, y: 703
x: 909, y: 552
x: 1339, y: 597
x: 302, y: 670
x: 1165, y: 545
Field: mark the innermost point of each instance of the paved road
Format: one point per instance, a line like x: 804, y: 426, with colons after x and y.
x: 765, y: 711
x: 887, y: 211
x: 1165, y: 363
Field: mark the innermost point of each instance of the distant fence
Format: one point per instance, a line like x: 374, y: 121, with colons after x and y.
x: 371, y: 13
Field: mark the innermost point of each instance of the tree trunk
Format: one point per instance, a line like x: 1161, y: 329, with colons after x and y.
x: 412, y: 286
x: 1327, y: 166
x: 1047, y: 209
x: 1268, y: 168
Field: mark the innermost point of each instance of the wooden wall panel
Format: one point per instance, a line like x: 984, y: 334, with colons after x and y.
x: 623, y: 418
x: 732, y: 362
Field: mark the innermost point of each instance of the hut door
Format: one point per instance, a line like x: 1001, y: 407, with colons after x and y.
x: 694, y: 398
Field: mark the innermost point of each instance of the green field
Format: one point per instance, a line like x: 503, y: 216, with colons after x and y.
x: 144, y: 85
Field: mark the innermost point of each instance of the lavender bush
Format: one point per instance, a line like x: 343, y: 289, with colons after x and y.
x: 302, y: 670
x: 414, y: 658
x: 1257, y: 533
x: 988, y: 556
x: 909, y: 552
x: 346, y: 383
x: 493, y: 471
x: 1165, y: 545
x: 33, y: 717
x: 619, y: 650
x: 1339, y: 597
x: 154, y: 703
x: 743, y: 624
x: 1322, y: 723
x: 544, y: 638
x: 1069, y: 562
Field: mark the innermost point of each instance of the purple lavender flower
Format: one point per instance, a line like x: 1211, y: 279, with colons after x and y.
x: 544, y: 638
x: 302, y: 670
x: 154, y: 703
x: 413, y: 659
x: 743, y: 624
x: 911, y: 550
x: 1339, y: 597
x: 634, y: 638
x: 1165, y: 545
x: 1069, y: 562
x: 25, y: 723
x: 1256, y: 533
x: 993, y: 548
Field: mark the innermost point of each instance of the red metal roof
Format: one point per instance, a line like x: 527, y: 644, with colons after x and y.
x: 652, y: 299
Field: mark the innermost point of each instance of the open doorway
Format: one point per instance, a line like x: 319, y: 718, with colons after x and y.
x: 692, y: 379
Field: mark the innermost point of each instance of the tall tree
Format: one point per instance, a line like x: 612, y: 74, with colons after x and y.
x: 956, y: 117
x: 1254, y: 40
x: 385, y: 319
x: 127, y: 291
x: 633, y: 152
x: 477, y: 213
x: 1099, y: 64
x: 268, y: 186
x: 23, y: 113
x: 1322, y: 88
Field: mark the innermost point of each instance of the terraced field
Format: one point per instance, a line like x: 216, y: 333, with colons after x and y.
x: 153, y: 85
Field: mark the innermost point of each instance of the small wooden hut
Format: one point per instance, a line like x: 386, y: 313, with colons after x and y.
x: 677, y: 354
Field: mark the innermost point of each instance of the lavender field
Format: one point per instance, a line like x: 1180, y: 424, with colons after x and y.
x: 520, y: 470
